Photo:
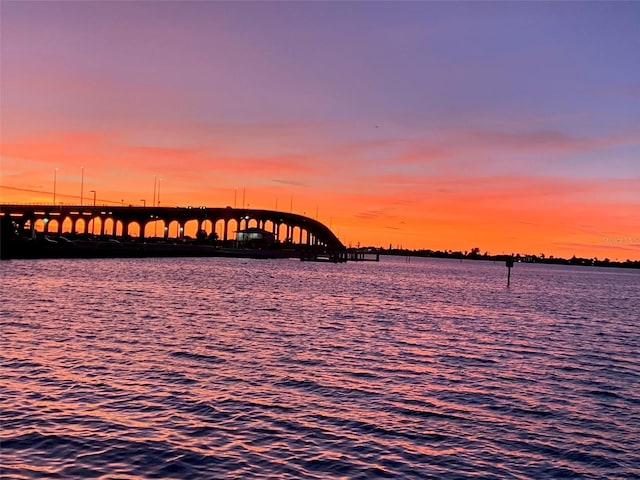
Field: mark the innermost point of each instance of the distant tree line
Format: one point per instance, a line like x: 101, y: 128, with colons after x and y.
x: 474, y: 254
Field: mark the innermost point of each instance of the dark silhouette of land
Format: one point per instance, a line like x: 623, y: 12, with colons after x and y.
x: 69, y: 246
x: 474, y: 254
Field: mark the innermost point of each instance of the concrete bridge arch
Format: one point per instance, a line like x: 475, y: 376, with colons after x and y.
x: 120, y: 221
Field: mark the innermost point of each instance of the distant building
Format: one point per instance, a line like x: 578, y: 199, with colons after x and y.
x: 255, y: 237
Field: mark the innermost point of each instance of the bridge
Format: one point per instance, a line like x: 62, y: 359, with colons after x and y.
x: 122, y: 222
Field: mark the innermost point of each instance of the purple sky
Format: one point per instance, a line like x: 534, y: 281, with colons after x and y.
x: 376, y: 92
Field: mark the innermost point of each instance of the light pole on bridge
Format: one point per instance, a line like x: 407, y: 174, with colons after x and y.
x: 55, y: 179
x: 155, y: 181
x: 81, y: 185
x: 93, y: 221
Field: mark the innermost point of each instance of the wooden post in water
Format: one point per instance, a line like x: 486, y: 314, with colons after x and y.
x: 509, y: 265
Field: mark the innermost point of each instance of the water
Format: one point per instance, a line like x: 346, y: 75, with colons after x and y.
x: 233, y: 368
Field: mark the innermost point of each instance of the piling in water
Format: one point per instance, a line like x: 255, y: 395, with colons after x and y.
x: 509, y: 265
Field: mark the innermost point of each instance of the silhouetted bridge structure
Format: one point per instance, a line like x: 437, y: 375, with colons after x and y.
x: 167, y: 223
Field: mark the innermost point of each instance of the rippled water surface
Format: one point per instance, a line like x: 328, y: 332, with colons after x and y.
x: 233, y: 368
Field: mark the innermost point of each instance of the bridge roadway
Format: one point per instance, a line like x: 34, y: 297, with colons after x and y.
x: 116, y: 221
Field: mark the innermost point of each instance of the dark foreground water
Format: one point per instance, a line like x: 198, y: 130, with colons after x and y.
x: 232, y: 368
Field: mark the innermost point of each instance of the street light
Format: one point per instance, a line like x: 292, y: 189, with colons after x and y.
x: 81, y: 185
x: 55, y: 178
x: 144, y: 202
x: 93, y: 221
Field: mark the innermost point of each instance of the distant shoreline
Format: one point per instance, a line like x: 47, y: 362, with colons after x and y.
x: 111, y: 249
x: 518, y: 258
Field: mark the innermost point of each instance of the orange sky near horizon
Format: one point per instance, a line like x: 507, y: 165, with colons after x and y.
x: 498, y: 214
x: 520, y: 136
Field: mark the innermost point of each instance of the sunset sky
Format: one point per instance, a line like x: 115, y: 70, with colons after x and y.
x: 511, y: 126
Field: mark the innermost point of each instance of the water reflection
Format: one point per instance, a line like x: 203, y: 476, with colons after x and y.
x: 232, y: 368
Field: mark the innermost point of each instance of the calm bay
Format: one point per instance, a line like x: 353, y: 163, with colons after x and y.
x: 239, y: 368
